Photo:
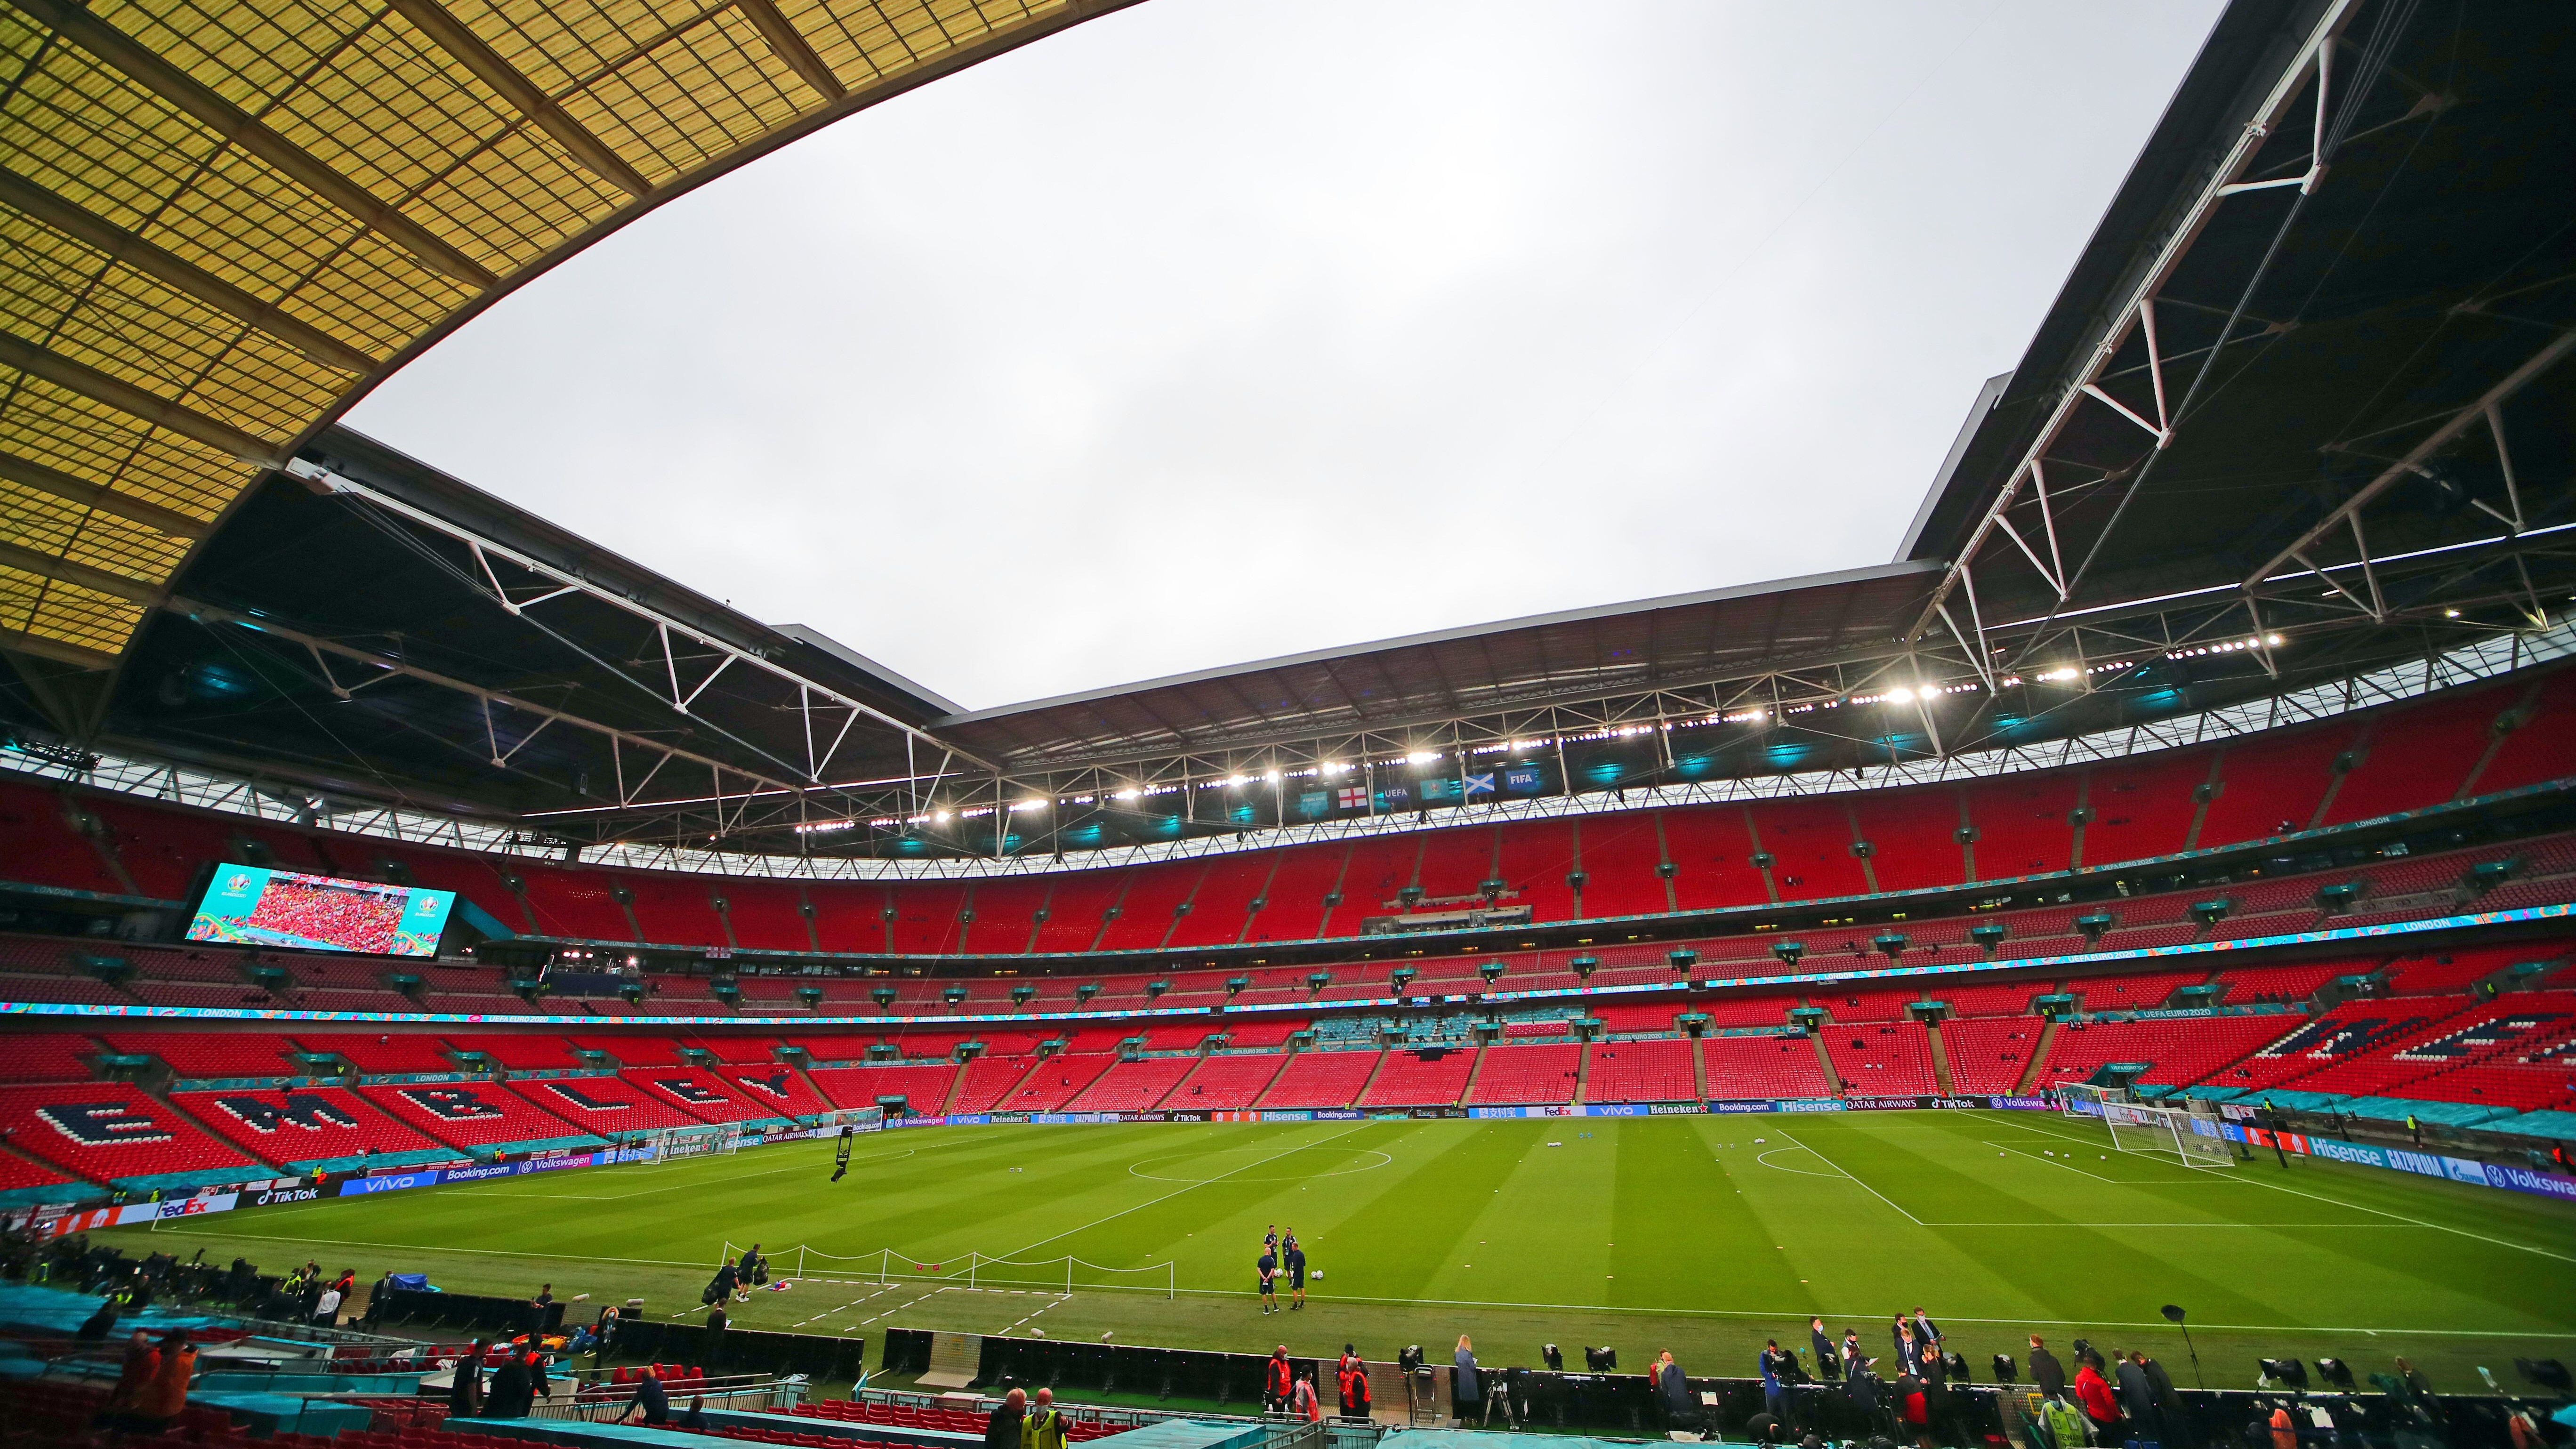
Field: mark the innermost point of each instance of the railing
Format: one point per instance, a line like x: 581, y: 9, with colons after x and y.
x: 775, y: 1396
x: 1078, y: 1413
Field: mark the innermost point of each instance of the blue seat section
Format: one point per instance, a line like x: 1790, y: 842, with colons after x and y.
x: 340, y: 1166
x: 53, y: 1313
x: 542, y: 1144
x: 574, y: 1432
x: 2538, y: 1124
x: 269, y: 1415
x: 218, y: 1380
x: 1193, y: 1434
x: 191, y: 1181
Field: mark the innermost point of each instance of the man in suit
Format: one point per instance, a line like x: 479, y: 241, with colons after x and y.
x: 1827, y: 1360
x: 2046, y: 1373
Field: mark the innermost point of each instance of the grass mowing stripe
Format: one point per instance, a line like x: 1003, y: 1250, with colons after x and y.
x: 2226, y: 1175
x: 1193, y: 1187
x: 1865, y: 1187
x: 1726, y: 1248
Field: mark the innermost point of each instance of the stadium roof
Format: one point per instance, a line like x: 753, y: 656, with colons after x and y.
x: 228, y: 219
x: 2287, y: 421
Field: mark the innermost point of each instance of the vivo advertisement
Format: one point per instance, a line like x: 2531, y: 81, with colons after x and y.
x: 247, y: 905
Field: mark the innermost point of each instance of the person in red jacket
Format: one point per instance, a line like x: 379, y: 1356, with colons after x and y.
x: 2093, y: 1393
x: 1352, y: 1375
x: 1278, y: 1381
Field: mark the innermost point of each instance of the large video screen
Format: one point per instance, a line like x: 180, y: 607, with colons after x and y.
x: 247, y: 905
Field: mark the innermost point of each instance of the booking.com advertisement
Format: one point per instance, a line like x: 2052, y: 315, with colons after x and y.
x: 249, y: 905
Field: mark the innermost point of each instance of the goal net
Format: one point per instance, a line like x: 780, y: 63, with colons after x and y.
x: 2167, y: 1132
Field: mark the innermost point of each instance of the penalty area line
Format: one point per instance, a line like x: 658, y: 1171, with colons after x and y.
x: 2257, y: 1181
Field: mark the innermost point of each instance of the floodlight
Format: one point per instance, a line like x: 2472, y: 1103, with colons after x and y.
x: 1423, y: 757
x: 1900, y: 695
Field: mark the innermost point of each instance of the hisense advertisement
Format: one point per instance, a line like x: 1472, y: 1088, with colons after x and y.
x: 248, y: 905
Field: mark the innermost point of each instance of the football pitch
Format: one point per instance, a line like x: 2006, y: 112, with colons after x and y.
x: 1703, y: 1235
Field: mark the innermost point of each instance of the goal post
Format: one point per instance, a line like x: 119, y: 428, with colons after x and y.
x: 2082, y: 1099
x: 2186, y: 1137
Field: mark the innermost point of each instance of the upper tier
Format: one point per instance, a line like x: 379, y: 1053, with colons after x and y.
x: 2451, y: 746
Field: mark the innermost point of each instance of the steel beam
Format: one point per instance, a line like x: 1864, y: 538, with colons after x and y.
x: 179, y: 274
x: 2347, y: 513
x: 149, y: 70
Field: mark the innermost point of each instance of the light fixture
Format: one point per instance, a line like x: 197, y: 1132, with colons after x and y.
x: 1423, y: 757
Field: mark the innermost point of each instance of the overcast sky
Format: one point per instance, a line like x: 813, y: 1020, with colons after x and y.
x: 1219, y: 329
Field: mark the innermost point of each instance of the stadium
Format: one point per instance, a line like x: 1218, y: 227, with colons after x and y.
x: 2136, y: 918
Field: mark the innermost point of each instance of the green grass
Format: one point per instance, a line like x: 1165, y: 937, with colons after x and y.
x: 1699, y: 1234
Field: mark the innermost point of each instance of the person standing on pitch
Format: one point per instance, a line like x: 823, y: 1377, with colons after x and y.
x: 1296, y: 1273
x: 1269, y: 1269
x: 1827, y: 1360
x: 1926, y: 1333
x: 1854, y: 1362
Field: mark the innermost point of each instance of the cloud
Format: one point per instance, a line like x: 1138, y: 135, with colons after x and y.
x: 1217, y: 329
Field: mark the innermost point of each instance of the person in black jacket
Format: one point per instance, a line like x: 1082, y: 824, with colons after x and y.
x: 2046, y: 1373
x: 509, y: 1397
x: 465, y: 1388
x: 1828, y: 1359
x: 2138, y: 1398
x: 1002, y: 1430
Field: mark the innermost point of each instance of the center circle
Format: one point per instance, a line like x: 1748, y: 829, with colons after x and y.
x: 1137, y: 1169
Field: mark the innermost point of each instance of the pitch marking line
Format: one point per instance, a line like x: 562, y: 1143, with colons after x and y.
x: 1765, y: 1160
x: 1176, y: 1192
x: 2252, y: 1181
x: 1865, y: 1187
x: 1383, y: 1160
